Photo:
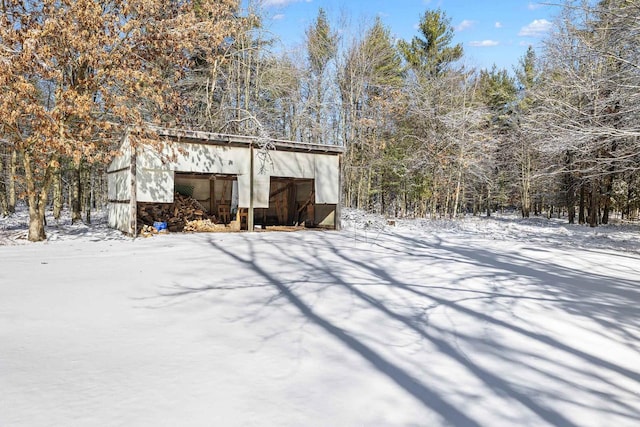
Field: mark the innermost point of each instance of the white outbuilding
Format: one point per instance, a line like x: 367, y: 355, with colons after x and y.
x: 254, y: 181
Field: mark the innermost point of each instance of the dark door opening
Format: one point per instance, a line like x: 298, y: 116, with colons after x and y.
x: 291, y: 203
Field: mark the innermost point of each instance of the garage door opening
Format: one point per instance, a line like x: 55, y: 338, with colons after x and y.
x: 291, y: 204
x: 218, y: 194
x: 211, y: 202
x: 202, y: 202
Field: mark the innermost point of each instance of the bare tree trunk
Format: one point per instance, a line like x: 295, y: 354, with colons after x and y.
x: 87, y: 185
x: 360, y: 191
x: 488, y: 200
x: 37, y: 199
x: 13, y: 173
x: 581, y: 215
x: 607, y: 200
x: 434, y: 205
x: 368, y: 197
x: 318, y: 110
x: 569, y: 187
x: 76, y: 203
x: 36, y: 220
x: 348, y: 189
x: 435, y: 195
x: 4, y: 207
x: 447, y: 210
x: 595, y: 203
x: 629, y: 197
x: 99, y: 190
x: 57, y: 193
x: 571, y: 205
x: 405, y: 200
x: 525, y: 188
x: 383, y: 199
x: 457, y: 193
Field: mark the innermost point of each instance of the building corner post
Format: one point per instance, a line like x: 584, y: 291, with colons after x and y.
x: 133, y: 199
x: 337, y: 223
x: 251, y: 176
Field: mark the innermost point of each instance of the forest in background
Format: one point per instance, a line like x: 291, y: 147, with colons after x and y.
x: 425, y: 134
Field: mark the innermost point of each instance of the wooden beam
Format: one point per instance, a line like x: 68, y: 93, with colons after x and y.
x: 251, y: 174
x: 212, y: 197
x: 280, y: 190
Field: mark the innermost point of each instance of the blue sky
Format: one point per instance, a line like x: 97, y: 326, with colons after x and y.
x: 491, y: 31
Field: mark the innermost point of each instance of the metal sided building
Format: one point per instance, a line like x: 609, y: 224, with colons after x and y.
x: 289, y: 183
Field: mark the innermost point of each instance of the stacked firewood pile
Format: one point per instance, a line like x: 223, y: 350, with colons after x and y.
x: 203, y: 225
x: 177, y: 214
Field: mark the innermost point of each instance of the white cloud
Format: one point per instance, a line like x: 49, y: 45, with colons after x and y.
x: 534, y: 6
x: 537, y: 28
x: 498, y: 24
x: 465, y: 25
x: 268, y: 3
x: 484, y: 43
x: 278, y: 17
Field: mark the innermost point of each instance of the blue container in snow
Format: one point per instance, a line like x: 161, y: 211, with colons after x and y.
x: 160, y: 226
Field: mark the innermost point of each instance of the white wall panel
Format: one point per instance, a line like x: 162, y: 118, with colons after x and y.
x: 291, y: 165
x: 327, y: 179
x: 118, y: 216
x: 261, y: 188
x: 154, y: 186
x: 212, y: 159
x: 243, y: 190
x: 149, y: 158
x: 119, y: 185
x: 199, y: 158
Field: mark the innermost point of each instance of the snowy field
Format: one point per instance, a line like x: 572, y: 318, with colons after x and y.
x: 477, y: 322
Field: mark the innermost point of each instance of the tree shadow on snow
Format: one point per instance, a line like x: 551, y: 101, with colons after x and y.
x: 445, y: 340
x: 413, y: 386
x: 334, y: 260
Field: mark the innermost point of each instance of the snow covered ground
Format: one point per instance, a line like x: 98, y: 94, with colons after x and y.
x: 475, y: 322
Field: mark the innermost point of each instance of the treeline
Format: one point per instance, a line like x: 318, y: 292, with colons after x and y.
x: 424, y: 135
